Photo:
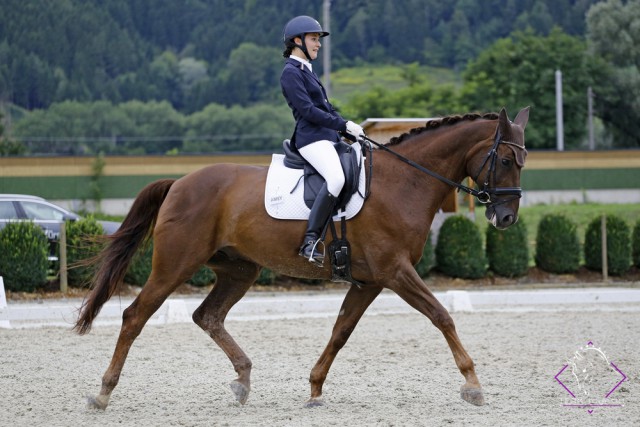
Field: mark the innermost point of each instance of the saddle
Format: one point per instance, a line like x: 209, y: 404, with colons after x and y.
x: 350, y: 160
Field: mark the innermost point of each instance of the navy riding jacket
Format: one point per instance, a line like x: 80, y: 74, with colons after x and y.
x: 316, y: 119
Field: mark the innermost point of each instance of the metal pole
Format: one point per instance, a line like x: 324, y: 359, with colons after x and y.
x: 559, y: 119
x: 605, y: 264
x: 63, y: 258
x: 592, y: 143
x: 326, y: 43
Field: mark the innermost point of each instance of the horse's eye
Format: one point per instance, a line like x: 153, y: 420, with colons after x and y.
x: 506, y: 162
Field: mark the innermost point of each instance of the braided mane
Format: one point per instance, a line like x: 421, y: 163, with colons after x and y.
x: 437, y: 123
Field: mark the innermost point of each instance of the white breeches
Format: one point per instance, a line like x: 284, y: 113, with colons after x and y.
x: 323, y: 157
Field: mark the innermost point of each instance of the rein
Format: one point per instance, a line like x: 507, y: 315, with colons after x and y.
x: 484, y: 195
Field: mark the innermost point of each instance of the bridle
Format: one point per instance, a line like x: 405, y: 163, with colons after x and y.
x: 486, y: 195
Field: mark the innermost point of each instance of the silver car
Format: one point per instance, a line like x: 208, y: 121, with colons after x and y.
x: 22, y: 207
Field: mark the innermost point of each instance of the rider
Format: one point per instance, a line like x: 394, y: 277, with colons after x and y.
x: 317, y: 124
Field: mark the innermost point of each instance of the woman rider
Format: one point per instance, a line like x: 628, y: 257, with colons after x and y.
x: 318, y: 124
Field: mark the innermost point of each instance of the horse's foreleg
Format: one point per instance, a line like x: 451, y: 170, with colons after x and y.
x: 413, y: 290
x: 353, y: 307
x: 234, y: 278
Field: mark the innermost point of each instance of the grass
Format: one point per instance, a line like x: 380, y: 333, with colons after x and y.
x: 347, y: 81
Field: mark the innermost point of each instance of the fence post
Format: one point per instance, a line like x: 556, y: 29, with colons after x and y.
x: 603, y: 232
x: 63, y: 257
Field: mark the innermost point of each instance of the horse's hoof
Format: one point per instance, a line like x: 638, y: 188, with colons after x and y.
x: 314, y: 402
x: 98, y: 402
x: 472, y: 395
x: 241, y: 392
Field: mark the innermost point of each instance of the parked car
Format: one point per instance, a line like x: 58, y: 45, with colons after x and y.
x: 22, y: 207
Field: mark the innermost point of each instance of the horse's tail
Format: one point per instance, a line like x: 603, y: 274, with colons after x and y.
x: 113, y: 261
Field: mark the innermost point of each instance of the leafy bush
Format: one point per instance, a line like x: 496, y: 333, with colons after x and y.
x: 140, y: 267
x: 202, y: 277
x: 636, y: 244
x: 424, y: 266
x: 82, y: 244
x: 618, y: 245
x: 266, y: 277
x: 508, y: 250
x: 459, y: 251
x: 557, y: 245
x: 23, y: 256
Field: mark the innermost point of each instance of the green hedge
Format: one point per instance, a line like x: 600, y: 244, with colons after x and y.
x: 557, y: 245
x: 618, y: 245
x: 635, y: 243
x: 459, y: 251
x: 508, y: 250
x: 82, y: 244
x: 23, y: 256
x: 426, y: 263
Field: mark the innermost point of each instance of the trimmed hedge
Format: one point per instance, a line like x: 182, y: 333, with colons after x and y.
x: 426, y: 263
x: 508, y: 250
x: 618, y: 245
x: 23, y: 256
x: 82, y: 244
x: 459, y: 251
x: 635, y: 243
x: 557, y: 245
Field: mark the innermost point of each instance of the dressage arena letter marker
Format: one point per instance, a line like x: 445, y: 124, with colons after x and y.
x: 4, y: 320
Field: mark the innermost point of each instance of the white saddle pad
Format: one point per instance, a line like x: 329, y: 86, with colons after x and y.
x: 282, y: 203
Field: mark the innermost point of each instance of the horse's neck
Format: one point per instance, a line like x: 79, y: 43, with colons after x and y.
x: 446, y: 150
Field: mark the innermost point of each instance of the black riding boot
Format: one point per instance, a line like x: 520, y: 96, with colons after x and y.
x: 320, y: 211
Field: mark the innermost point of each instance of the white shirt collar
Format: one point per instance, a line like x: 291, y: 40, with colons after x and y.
x: 303, y: 61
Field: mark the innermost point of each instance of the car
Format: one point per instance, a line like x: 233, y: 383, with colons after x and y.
x: 23, y: 207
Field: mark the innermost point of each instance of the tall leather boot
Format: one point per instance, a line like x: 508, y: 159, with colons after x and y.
x: 320, y: 212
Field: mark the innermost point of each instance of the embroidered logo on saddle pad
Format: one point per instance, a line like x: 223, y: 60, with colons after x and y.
x: 284, y: 193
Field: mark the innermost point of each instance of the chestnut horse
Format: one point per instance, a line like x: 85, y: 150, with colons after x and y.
x: 216, y: 217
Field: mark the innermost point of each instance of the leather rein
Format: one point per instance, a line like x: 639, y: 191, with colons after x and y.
x: 486, y: 195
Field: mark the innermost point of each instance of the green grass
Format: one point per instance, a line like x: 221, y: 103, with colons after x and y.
x: 347, y: 81
x: 580, y: 214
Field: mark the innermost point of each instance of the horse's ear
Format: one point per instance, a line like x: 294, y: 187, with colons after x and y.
x: 522, y: 118
x: 503, y: 121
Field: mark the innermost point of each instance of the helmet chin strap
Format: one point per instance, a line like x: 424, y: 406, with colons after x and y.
x: 303, y: 47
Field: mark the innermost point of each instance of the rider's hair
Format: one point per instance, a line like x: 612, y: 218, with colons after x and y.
x: 289, y: 45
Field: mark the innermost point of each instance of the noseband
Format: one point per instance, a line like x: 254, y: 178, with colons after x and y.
x: 486, y: 195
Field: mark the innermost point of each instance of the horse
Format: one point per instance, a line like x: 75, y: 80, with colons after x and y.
x: 216, y: 217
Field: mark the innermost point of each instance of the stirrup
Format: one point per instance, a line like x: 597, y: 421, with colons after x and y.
x: 318, y: 261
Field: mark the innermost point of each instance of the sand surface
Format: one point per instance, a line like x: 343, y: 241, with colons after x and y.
x: 396, y: 370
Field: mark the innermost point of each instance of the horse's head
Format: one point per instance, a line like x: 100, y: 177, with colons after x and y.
x: 498, y: 175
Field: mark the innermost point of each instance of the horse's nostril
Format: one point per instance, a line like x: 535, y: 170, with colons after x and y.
x: 507, y: 220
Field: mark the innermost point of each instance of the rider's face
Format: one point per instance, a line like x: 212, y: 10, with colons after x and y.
x: 312, y: 41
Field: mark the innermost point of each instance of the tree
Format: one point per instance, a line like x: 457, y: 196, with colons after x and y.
x: 520, y: 71
x: 614, y: 34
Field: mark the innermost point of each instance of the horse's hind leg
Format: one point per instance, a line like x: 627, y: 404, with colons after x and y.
x: 234, y: 278
x: 353, y: 307
x: 134, y: 317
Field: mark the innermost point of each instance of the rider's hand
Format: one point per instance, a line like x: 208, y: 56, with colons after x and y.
x: 355, y: 129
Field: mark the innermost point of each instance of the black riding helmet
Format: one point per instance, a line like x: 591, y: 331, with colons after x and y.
x: 299, y: 27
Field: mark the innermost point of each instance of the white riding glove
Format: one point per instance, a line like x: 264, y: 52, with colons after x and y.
x: 355, y: 129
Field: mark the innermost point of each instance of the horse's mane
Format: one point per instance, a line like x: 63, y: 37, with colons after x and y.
x: 444, y: 121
